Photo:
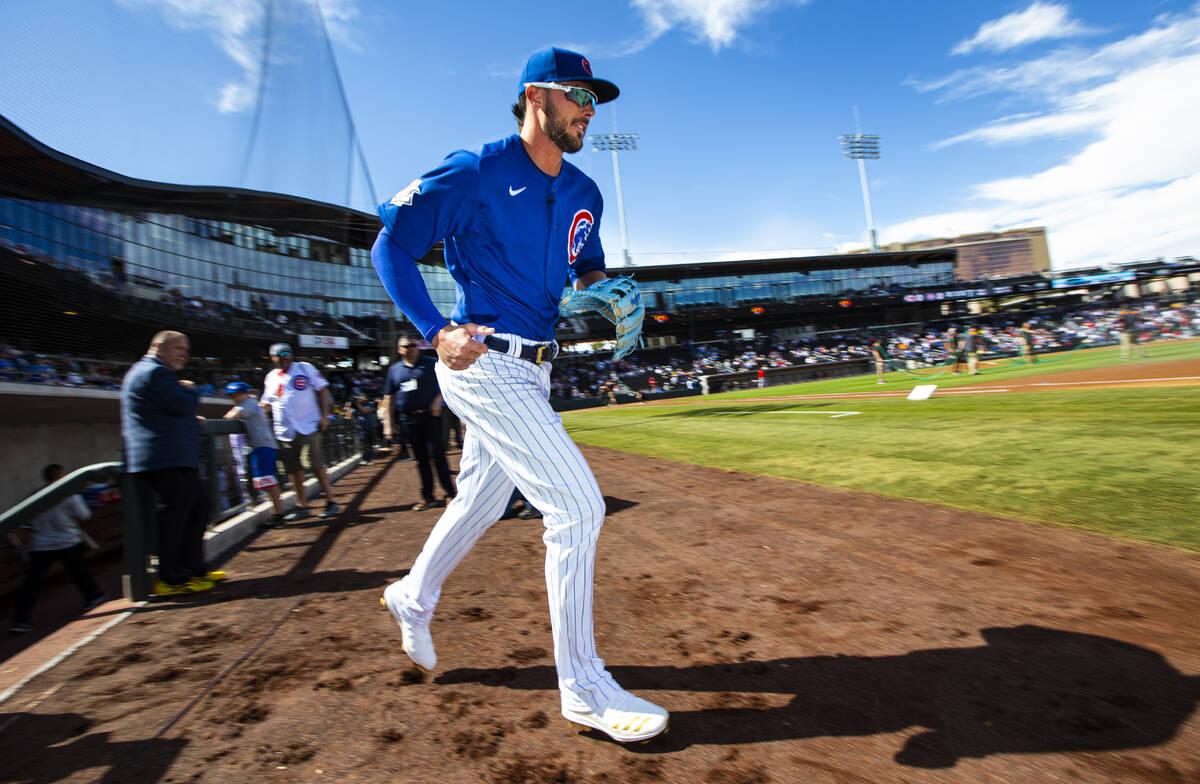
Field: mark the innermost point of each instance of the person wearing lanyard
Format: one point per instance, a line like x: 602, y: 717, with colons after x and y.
x: 412, y: 398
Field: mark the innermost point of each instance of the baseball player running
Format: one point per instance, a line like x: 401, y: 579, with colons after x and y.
x: 519, y: 224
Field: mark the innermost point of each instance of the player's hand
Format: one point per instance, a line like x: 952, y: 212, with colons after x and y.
x: 323, y: 424
x: 456, y: 345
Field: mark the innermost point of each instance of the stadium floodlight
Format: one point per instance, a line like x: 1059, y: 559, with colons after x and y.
x: 860, y: 146
x: 616, y: 142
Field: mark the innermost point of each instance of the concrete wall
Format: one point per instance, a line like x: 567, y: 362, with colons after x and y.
x: 72, y: 426
x: 29, y: 447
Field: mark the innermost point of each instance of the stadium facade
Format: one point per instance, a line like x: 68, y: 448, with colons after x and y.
x: 117, y: 249
x: 250, y: 255
x: 994, y: 254
x: 238, y: 269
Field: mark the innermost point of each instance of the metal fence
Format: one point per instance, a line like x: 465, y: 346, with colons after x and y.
x: 224, y: 473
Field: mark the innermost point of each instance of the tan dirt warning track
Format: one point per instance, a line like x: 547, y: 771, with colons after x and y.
x: 798, y: 634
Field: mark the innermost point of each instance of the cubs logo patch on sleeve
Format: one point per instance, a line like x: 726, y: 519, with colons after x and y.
x: 405, y: 197
x: 581, y: 229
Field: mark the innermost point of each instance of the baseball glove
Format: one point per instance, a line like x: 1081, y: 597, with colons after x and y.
x: 618, y: 300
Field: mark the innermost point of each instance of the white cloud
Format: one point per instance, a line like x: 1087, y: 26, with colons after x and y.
x: 715, y: 22
x: 1060, y: 73
x: 1038, y: 22
x: 236, y: 26
x: 1130, y: 189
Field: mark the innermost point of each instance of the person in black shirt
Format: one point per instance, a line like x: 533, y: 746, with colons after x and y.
x: 411, y: 394
x: 971, y: 345
x: 1128, y: 323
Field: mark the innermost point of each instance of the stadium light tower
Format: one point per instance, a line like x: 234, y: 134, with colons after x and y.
x: 860, y: 146
x: 616, y: 142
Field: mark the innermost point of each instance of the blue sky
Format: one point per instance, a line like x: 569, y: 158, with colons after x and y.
x: 1081, y: 117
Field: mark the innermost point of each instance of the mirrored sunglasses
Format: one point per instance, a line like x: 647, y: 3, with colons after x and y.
x: 580, y: 95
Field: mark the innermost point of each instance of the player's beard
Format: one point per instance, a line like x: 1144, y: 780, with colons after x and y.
x: 559, y: 132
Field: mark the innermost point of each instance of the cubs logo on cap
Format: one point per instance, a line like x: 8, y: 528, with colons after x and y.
x: 280, y: 348
x: 563, y: 65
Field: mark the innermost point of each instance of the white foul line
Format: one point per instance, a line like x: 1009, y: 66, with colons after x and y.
x: 830, y: 414
x: 1115, y: 381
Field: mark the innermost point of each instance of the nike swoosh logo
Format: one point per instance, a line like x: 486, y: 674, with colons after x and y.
x: 511, y: 192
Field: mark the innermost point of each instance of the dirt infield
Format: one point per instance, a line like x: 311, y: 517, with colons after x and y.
x: 797, y: 634
x: 1157, y: 373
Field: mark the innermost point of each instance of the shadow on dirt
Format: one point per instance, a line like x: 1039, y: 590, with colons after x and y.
x: 1029, y: 690
x: 305, y: 576
x: 52, y: 747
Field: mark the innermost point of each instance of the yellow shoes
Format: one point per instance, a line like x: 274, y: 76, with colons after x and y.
x: 194, y: 585
x: 215, y: 577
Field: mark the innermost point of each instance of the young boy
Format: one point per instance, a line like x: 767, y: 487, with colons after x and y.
x: 56, y: 536
x: 264, y: 448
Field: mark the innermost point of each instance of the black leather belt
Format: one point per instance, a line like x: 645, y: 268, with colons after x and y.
x: 535, y: 353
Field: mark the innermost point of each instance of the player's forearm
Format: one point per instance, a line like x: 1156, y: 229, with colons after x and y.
x: 588, y: 278
x: 402, y: 280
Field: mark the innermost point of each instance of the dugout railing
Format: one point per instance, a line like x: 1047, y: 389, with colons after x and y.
x: 228, y: 487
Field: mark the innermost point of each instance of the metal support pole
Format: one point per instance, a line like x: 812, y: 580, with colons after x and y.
x: 621, y: 209
x: 862, y: 177
x: 615, y: 142
x: 860, y: 146
x: 137, y: 502
x: 213, y: 489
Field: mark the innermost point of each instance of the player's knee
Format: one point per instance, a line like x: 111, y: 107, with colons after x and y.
x: 592, y: 509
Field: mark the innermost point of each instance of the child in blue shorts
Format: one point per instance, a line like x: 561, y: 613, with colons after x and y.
x: 264, y: 448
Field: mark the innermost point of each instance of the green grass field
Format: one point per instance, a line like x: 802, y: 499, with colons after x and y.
x: 1124, y: 461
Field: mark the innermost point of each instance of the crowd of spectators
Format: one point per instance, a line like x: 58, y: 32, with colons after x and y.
x: 27, y: 365
x: 911, y: 345
x: 681, y: 367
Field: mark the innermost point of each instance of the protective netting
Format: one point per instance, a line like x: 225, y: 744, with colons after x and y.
x: 301, y: 140
x: 240, y: 93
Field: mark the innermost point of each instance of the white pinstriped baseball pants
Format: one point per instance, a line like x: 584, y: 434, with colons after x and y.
x: 513, y: 437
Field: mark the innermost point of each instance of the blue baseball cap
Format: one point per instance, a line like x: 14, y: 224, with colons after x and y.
x: 563, y: 65
x: 233, y: 387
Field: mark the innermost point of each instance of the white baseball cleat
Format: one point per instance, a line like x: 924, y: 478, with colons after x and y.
x: 625, y: 719
x: 416, y: 639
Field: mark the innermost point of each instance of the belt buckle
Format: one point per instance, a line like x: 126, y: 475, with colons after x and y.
x: 537, y: 360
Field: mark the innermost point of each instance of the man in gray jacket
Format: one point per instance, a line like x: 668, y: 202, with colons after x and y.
x: 162, y: 435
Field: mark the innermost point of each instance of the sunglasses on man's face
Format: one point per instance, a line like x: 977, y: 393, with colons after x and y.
x: 580, y: 95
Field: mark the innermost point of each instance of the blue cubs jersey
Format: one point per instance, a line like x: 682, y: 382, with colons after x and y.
x: 514, y: 235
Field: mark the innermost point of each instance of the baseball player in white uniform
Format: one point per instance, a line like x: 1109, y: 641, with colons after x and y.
x: 519, y: 224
